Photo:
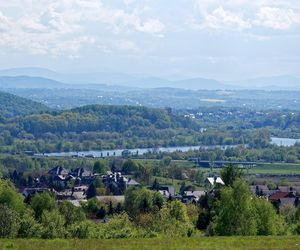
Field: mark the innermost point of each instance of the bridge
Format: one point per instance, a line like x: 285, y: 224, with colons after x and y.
x: 220, y: 164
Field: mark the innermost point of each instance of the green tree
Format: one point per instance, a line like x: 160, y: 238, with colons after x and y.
x: 9, y: 222
x: 10, y: 197
x: 29, y: 227
x: 129, y: 166
x: 174, y: 220
x: 82, y: 230
x: 91, y: 191
x: 99, y: 167
x: 42, y: 202
x: 142, y: 200
x: 266, y: 217
x: 231, y: 173
x: 236, y: 213
x: 71, y: 213
x: 166, y: 161
x: 288, y: 211
x: 53, y: 224
x: 158, y: 200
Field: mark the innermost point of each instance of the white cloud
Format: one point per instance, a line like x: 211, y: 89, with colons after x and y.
x: 276, y: 18
x: 4, y: 22
x: 245, y: 14
x: 220, y: 18
x: 64, y: 27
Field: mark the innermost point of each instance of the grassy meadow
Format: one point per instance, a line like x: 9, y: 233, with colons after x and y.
x: 205, y: 243
x: 276, y: 168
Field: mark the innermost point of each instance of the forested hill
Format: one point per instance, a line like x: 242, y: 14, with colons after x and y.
x: 11, y: 106
x: 134, y: 120
x: 98, y: 127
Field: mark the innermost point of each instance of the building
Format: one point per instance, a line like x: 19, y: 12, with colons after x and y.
x: 192, y: 196
x: 261, y: 190
x: 281, y: 198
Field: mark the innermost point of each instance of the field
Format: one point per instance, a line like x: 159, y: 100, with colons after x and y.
x: 209, y: 243
x: 263, y: 168
x: 276, y: 168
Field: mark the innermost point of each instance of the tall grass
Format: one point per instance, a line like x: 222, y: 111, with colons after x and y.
x: 212, y: 243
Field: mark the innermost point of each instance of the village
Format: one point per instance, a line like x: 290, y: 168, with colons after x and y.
x: 79, y: 185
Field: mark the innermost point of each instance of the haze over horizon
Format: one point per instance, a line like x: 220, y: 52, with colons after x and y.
x: 222, y: 40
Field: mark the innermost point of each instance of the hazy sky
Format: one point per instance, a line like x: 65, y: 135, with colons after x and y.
x: 231, y: 39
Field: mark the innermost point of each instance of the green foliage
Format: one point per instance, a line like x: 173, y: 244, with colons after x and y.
x: 9, y: 196
x: 9, y: 222
x: 174, y: 220
x: 29, y: 227
x: 99, y: 167
x: 230, y: 174
x: 82, y: 230
x: 236, y: 213
x: 120, y: 227
x: 71, y: 213
x: 91, y: 191
x: 129, y: 166
x: 94, y: 127
x: 42, y: 202
x: 53, y: 224
x: 288, y: 212
x: 142, y: 200
x: 201, y: 243
x: 266, y: 217
x: 11, y: 106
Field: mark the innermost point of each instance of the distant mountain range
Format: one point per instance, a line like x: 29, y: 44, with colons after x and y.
x: 283, y: 82
x: 44, y: 78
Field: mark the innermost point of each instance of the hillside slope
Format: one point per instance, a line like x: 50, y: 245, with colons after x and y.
x: 11, y: 106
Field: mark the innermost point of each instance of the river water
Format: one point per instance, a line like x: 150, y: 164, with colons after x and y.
x: 135, y: 151
x: 286, y: 142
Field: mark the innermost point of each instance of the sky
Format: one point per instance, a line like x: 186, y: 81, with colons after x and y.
x: 224, y: 40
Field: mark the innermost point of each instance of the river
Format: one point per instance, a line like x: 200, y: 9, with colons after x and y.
x: 286, y: 142
x: 135, y: 151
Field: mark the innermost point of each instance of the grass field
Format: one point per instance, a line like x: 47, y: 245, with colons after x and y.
x: 264, y: 168
x: 205, y: 243
x: 175, y: 183
x: 276, y: 168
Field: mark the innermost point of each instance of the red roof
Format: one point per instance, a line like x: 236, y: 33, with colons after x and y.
x: 279, y: 195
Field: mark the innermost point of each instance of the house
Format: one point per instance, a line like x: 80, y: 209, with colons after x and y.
x: 131, y: 182
x: 294, y: 189
x: 281, y: 198
x: 213, y: 182
x: 192, y: 196
x: 82, y: 176
x: 167, y: 190
x: 77, y: 203
x: 285, y: 188
x: 115, y: 183
x: 112, y: 198
x: 260, y: 190
x: 30, y: 192
x: 81, y: 173
x: 58, y: 171
x: 164, y: 193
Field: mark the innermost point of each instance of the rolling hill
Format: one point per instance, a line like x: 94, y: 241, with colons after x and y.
x: 11, y: 106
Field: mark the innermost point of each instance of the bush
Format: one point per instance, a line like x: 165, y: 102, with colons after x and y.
x: 82, y: 230
x: 29, y: 227
x: 53, y: 225
x: 9, y: 222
